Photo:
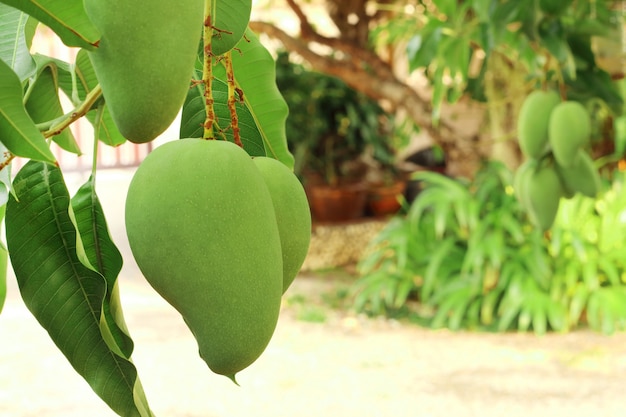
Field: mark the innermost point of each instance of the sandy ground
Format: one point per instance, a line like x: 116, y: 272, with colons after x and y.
x: 321, y: 362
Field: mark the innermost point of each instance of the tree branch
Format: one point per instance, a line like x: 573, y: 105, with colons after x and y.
x: 379, y: 84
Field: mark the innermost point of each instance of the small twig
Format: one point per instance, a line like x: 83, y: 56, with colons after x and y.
x: 8, y: 157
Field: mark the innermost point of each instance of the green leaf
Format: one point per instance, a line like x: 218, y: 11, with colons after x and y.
x: 194, y: 115
x: 66, y: 18
x: 423, y: 48
x: 14, y: 49
x: 482, y: 8
x: 18, y: 132
x: 447, y: 7
x: 511, y: 304
x: 255, y: 75
x: 432, y: 273
x: 43, y: 104
x: 77, y: 81
x: 62, y: 294
x: 98, y: 252
x: 231, y: 22
x: 488, y: 307
x: 557, y: 316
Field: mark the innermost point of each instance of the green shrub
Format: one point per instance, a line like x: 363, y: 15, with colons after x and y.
x: 468, y: 253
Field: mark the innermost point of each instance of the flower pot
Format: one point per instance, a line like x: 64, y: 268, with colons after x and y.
x: 384, y: 200
x: 337, y: 203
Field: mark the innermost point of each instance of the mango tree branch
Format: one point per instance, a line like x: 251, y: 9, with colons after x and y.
x: 377, y: 84
x: 58, y: 125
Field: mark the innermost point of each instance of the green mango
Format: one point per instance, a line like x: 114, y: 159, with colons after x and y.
x: 533, y: 120
x: 201, y: 225
x: 293, y: 214
x: 568, y: 131
x: 582, y: 177
x: 544, y: 192
x: 520, y: 180
x: 145, y: 59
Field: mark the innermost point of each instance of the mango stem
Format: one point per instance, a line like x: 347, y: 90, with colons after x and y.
x: 207, y: 70
x: 58, y: 125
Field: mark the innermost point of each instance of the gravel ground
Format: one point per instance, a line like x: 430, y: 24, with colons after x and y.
x: 321, y: 362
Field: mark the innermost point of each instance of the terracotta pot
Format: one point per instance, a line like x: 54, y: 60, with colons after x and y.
x: 337, y: 203
x: 384, y: 200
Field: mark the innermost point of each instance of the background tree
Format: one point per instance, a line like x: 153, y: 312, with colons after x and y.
x: 483, y: 55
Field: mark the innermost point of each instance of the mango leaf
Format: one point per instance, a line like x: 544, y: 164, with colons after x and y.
x: 76, y: 81
x: 194, y: 115
x: 98, y: 252
x: 14, y: 49
x: 62, y: 294
x: 231, y: 21
x: 422, y: 49
x: 18, y: 132
x: 255, y: 75
x: 447, y: 7
x: 43, y: 104
x: 66, y: 18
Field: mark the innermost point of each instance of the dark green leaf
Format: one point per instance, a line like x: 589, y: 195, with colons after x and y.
x: 423, y: 48
x: 194, y: 115
x: 98, y: 252
x: 14, y: 49
x: 66, y: 18
x: 65, y: 296
x: 18, y: 132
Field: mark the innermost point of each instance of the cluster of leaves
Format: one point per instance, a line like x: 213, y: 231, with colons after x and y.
x: 64, y: 259
x: 469, y: 256
x: 341, y: 123
x: 454, y: 41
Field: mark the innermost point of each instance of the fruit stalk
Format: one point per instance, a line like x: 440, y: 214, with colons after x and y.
x: 232, y: 100
x: 207, y: 70
x: 58, y: 125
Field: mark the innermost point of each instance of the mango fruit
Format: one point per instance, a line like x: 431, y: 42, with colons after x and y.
x: 145, y: 59
x: 201, y: 225
x: 544, y: 191
x: 293, y: 214
x: 582, y: 177
x: 520, y: 180
x: 533, y: 120
x: 568, y: 131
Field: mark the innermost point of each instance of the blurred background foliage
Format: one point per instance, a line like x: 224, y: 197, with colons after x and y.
x: 463, y: 253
